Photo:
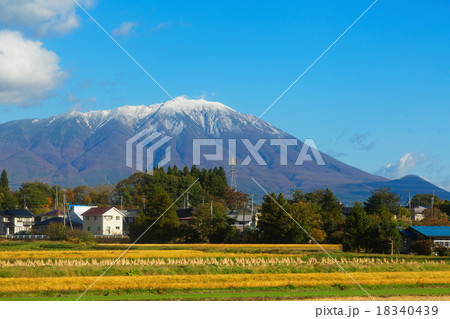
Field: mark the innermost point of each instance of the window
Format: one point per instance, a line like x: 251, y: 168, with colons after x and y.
x: 117, y: 227
x: 95, y: 217
x: 98, y: 227
x: 108, y: 218
x: 117, y: 217
x: 87, y: 217
x: 89, y: 228
x: 442, y: 242
x: 19, y: 219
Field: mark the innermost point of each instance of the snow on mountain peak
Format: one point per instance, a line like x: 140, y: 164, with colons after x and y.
x: 182, y: 104
x: 175, y: 116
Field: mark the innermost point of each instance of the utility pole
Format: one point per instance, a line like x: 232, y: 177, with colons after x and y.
x: 211, y: 214
x: 233, y: 175
x: 409, y: 200
x: 187, y: 201
x: 66, y: 211
x: 121, y: 203
x: 144, y: 202
x: 211, y: 210
x: 64, y: 208
x: 243, y: 223
x: 24, y: 201
x: 56, y: 198
x: 253, y: 220
x: 253, y: 216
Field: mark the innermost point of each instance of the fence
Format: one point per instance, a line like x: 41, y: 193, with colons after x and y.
x: 25, y: 237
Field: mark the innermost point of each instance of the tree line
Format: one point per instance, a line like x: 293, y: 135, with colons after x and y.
x: 371, y: 226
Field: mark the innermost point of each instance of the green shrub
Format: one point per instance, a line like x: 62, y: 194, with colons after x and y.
x: 56, y: 231
x: 80, y: 236
x: 422, y: 247
x: 442, y: 251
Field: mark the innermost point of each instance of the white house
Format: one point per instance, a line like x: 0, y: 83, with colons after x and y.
x: 103, y: 221
x: 14, y: 221
x: 419, y: 212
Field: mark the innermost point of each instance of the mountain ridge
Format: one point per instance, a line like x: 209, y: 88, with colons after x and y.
x: 76, y: 148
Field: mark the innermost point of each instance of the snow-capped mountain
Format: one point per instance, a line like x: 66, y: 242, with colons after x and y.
x: 89, y: 148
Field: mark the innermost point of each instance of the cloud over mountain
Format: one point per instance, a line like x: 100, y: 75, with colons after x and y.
x: 43, y: 17
x: 403, y: 166
x: 28, y: 71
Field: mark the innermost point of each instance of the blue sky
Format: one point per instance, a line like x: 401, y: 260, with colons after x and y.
x: 378, y: 100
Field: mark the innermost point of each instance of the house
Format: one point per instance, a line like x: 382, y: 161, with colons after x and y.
x: 41, y: 226
x: 14, y: 221
x: 69, y: 219
x: 129, y: 217
x: 44, y: 216
x: 79, y: 210
x: 242, y: 221
x: 103, y: 221
x: 440, y: 235
x: 186, y: 214
x: 4, y: 223
x: 419, y: 213
x: 244, y: 218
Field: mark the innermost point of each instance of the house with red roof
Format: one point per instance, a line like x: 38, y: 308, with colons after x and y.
x: 103, y: 221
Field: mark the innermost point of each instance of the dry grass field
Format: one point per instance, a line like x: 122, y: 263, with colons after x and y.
x: 50, y: 271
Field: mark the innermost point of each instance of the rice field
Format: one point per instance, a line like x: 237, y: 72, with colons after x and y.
x: 213, y: 272
x: 218, y: 281
x: 105, y: 254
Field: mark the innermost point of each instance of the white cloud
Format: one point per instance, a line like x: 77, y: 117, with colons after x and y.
x: 124, y: 29
x: 403, y: 166
x: 28, y: 72
x: 162, y: 25
x: 80, y: 104
x: 43, y: 17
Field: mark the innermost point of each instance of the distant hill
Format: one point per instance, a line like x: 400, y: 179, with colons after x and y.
x: 89, y: 148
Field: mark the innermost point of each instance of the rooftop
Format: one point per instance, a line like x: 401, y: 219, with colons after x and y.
x: 99, y: 211
x: 19, y: 213
x: 432, y: 231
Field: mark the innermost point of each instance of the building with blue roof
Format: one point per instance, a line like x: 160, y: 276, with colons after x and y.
x: 440, y: 235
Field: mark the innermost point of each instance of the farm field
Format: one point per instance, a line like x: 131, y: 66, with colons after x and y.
x: 62, y: 271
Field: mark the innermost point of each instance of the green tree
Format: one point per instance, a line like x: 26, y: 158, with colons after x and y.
x: 215, y: 227
x: 355, y: 229
x: 330, y: 208
x: 274, y: 225
x: 309, y: 216
x: 445, y: 207
x: 37, y: 195
x: 82, y: 195
x: 4, y: 182
x: 382, y: 197
x: 234, y: 199
x: 166, y: 228
x: 7, y: 198
x: 425, y: 200
x: 383, y: 234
